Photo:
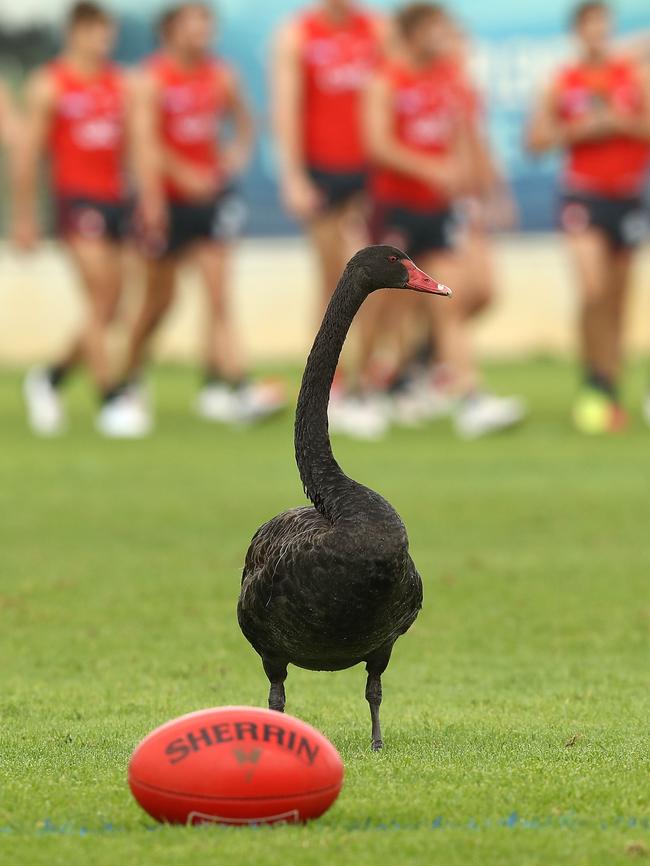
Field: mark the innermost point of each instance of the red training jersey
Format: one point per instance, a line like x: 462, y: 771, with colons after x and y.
x: 614, y: 166
x: 426, y: 112
x: 192, y: 104
x: 337, y: 59
x: 87, y: 133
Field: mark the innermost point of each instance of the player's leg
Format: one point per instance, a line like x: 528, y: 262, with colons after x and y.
x: 160, y: 259
x: 476, y: 412
x: 617, y: 296
x: 452, y: 383
x: 453, y: 345
x: 227, y: 396
x: 42, y: 392
x: 223, y: 354
x: 337, y: 232
x: 99, y: 265
x: 397, y: 327
x: 157, y: 298
x: 591, y: 263
x: 596, y: 409
x: 326, y: 235
x: 475, y: 250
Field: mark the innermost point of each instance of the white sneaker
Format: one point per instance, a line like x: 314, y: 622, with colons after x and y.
x: 419, y: 402
x: 485, y: 413
x: 44, y: 408
x: 359, y: 417
x: 124, y: 417
x: 437, y: 403
x: 219, y: 402
x: 260, y: 400
x: 252, y: 402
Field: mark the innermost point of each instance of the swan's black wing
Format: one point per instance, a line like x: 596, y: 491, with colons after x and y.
x: 275, y: 540
x: 312, y: 594
x: 271, y: 573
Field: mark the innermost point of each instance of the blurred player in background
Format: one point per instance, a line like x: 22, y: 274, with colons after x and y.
x: 598, y: 111
x: 426, y: 155
x: 484, y: 207
x: 321, y: 64
x: 186, y: 172
x: 488, y: 205
x: 76, y: 114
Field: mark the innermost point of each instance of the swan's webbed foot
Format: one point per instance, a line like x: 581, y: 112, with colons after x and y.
x: 277, y: 674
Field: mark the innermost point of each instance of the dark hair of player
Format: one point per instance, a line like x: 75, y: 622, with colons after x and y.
x: 411, y: 16
x: 86, y: 12
x: 583, y: 10
x: 170, y: 16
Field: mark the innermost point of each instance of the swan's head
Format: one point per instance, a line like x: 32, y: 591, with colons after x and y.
x: 386, y: 267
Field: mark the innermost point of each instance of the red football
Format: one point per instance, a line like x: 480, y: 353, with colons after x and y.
x: 235, y: 765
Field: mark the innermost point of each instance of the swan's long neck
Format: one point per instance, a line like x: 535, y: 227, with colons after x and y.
x: 325, y: 483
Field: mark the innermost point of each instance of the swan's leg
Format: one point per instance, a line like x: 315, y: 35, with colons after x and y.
x: 375, y: 666
x: 277, y: 673
x: 373, y: 696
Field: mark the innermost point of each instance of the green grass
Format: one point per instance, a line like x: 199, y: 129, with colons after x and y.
x: 516, y: 711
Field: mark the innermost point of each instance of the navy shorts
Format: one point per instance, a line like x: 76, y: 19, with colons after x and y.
x: 91, y: 219
x: 415, y: 232
x: 623, y: 221
x: 220, y: 219
x: 338, y: 187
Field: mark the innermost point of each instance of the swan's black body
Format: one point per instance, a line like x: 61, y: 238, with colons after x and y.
x: 329, y: 586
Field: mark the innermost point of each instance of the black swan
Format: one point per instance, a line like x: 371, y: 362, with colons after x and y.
x: 328, y: 587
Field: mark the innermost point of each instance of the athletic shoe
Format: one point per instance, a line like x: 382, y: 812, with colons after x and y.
x: 224, y: 404
x: 218, y: 402
x: 483, y: 414
x: 363, y: 417
x: 261, y: 400
x: 44, y: 408
x: 421, y: 400
x: 124, y: 417
x: 595, y: 413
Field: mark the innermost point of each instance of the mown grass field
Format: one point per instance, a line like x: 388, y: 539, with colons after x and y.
x: 516, y: 712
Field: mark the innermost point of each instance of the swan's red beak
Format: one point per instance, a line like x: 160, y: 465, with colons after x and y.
x: 421, y: 282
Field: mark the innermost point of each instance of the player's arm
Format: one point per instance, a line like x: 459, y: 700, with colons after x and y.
x: 543, y: 132
x: 28, y: 148
x: 484, y: 168
x: 145, y: 148
x: 547, y: 131
x: 384, y: 147
x: 489, y: 181
x: 384, y: 33
x: 237, y: 154
x: 635, y: 126
x: 300, y: 196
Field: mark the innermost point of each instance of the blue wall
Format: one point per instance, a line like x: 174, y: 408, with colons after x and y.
x: 515, y: 43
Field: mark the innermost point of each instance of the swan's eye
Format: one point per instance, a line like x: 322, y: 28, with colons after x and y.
x: 392, y: 258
